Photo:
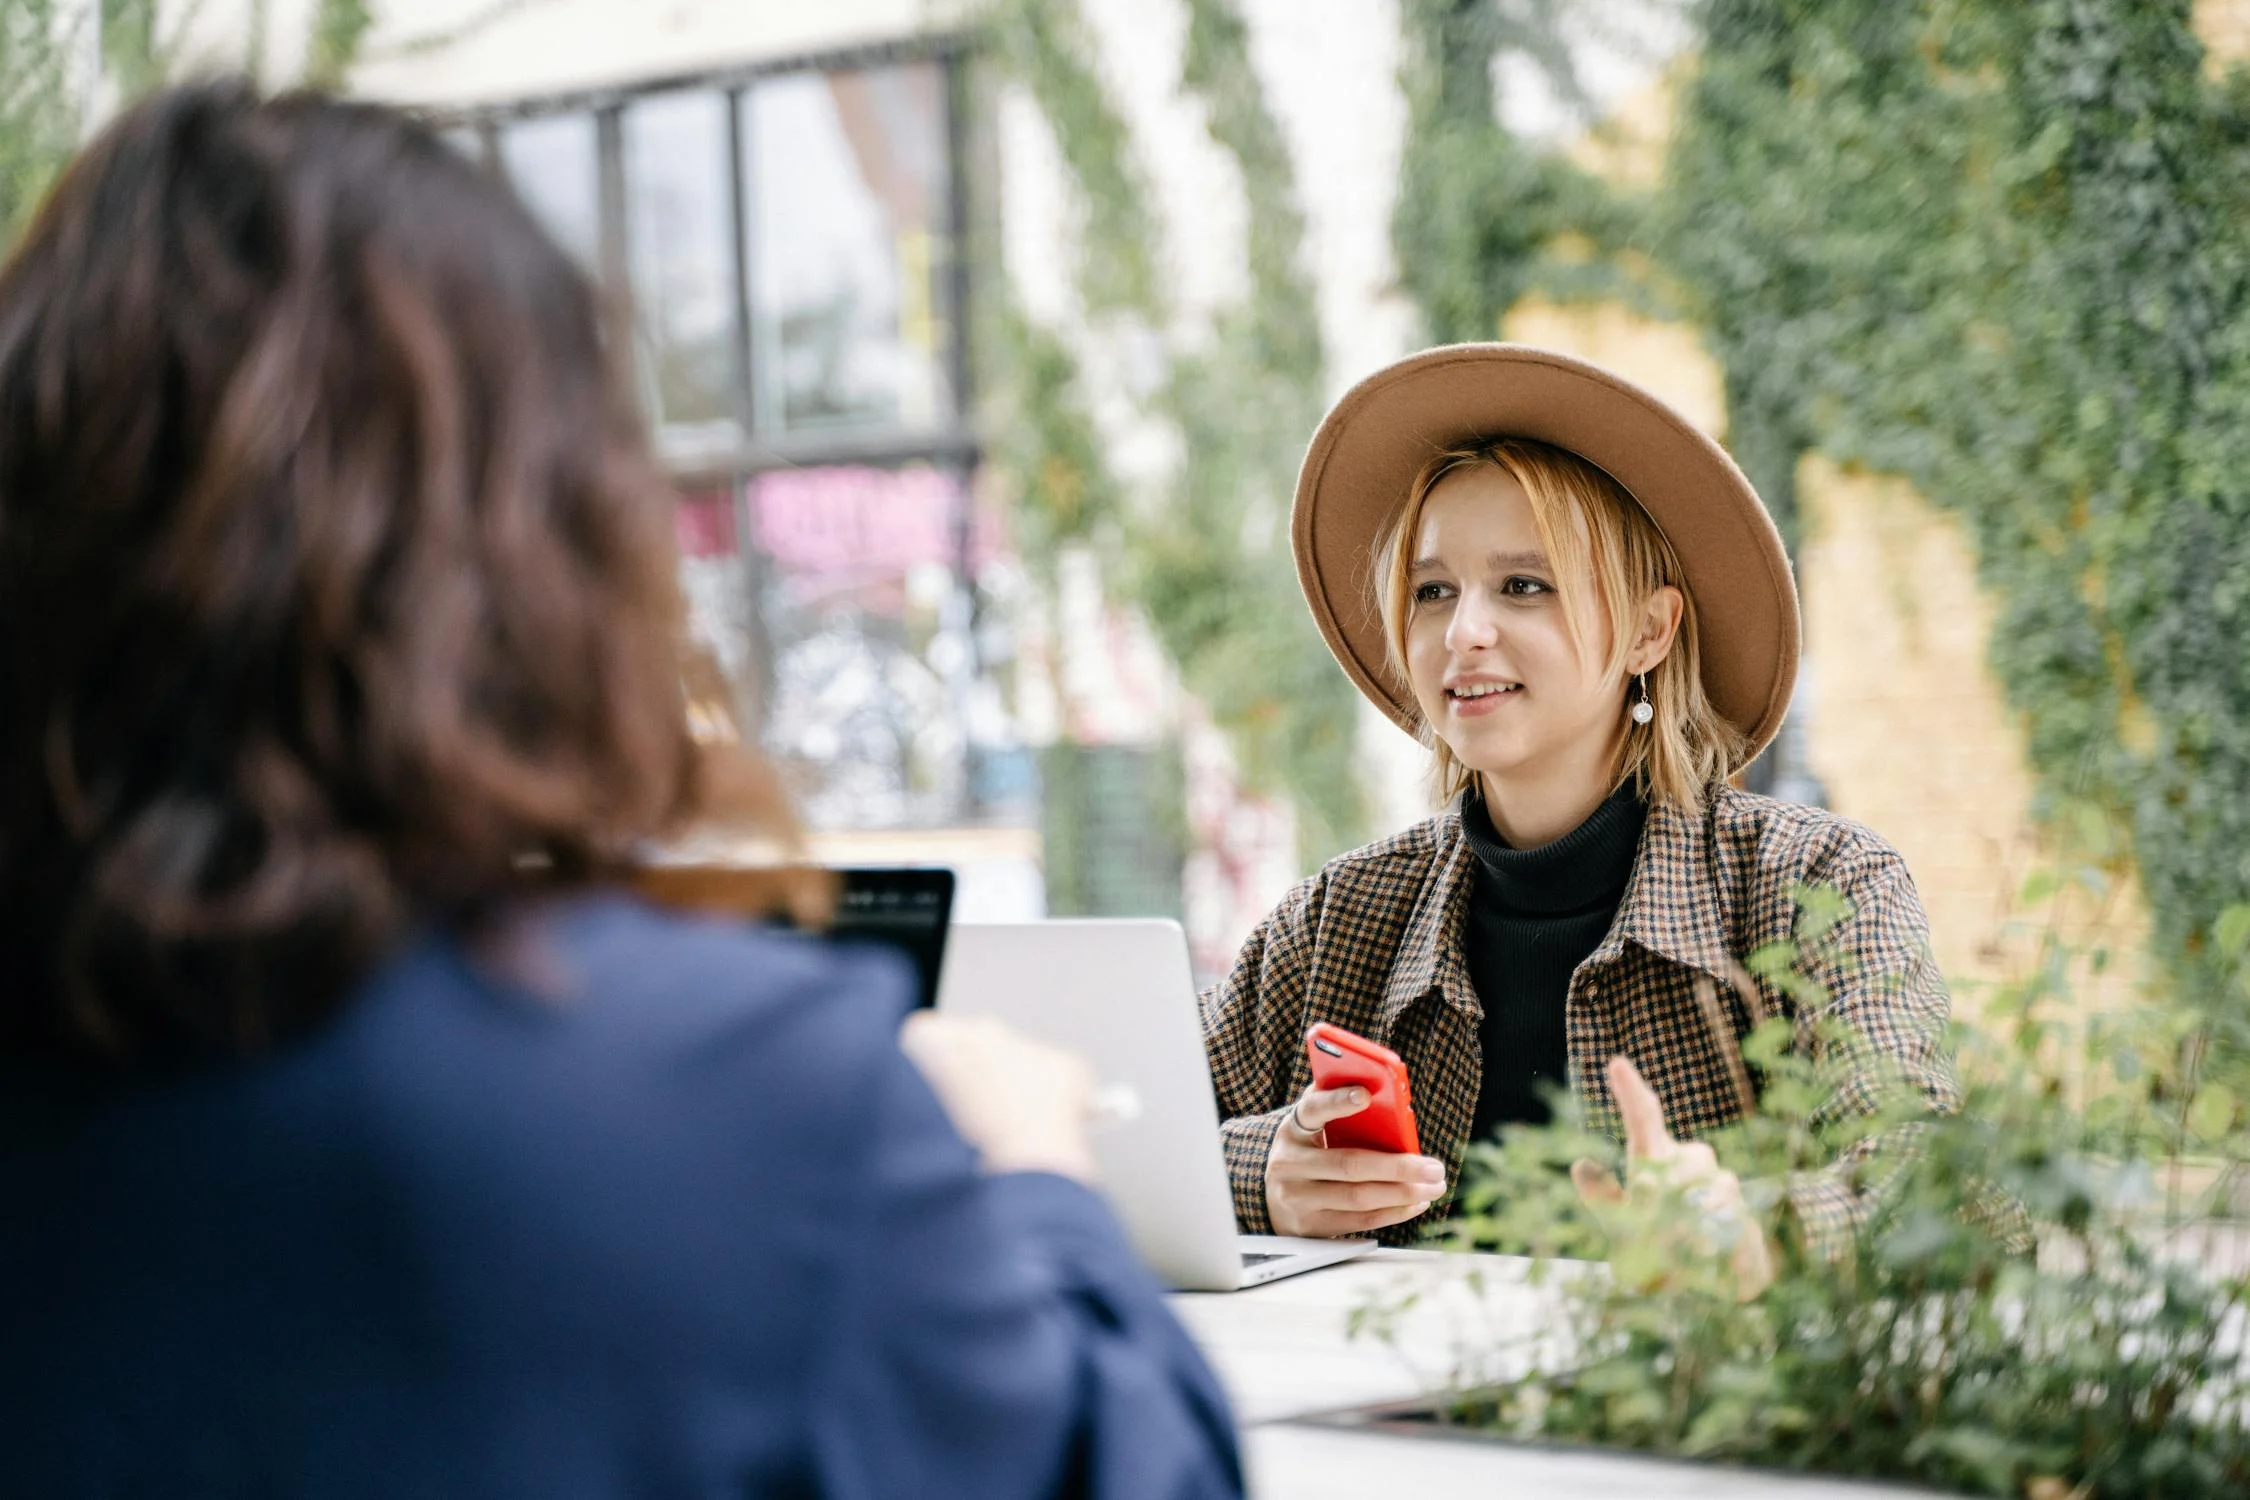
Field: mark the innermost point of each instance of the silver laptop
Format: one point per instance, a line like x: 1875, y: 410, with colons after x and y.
x: 1121, y: 994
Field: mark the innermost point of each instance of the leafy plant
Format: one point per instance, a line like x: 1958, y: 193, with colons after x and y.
x: 39, y: 110
x: 2021, y: 1312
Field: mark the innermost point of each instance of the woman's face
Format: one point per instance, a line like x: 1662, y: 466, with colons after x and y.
x: 1488, y: 645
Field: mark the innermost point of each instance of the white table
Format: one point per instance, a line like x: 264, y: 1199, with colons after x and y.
x: 1283, y: 1353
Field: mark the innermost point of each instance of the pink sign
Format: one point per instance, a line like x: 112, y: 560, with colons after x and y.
x: 861, y: 522
x: 704, y: 522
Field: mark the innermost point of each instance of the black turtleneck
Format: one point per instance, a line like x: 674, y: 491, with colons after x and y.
x: 1534, y: 915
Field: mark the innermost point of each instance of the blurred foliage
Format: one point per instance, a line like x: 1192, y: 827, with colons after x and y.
x: 1047, y: 444
x: 339, y: 31
x: 1044, y: 45
x: 1999, y: 247
x: 38, y: 111
x: 1207, y: 557
x: 1215, y: 565
x: 48, y: 97
x: 1484, y: 219
x: 2017, y: 1315
x: 130, y: 49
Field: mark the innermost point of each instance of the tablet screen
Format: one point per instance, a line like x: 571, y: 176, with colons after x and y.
x: 904, y: 909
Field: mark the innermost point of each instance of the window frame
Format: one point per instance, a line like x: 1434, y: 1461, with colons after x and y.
x: 951, y: 445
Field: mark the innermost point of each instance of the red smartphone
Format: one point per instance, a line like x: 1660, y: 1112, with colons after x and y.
x: 1341, y: 1059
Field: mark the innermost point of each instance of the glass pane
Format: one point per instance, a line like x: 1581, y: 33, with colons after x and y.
x: 848, y: 195
x: 721, y: 671
x: 869, y: 710
x: 680, y: 242
x: 552, y: 164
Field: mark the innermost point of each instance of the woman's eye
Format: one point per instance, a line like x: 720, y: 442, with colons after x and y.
x: 1430, y: 593
x: 1524, y: 588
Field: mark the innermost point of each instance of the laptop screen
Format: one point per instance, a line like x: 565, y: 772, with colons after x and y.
x: 905, y: 909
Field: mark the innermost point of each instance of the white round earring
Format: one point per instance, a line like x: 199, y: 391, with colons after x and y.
x: 1644, y: 710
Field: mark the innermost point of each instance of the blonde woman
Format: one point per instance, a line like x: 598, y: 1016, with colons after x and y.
x: 1577, y: 602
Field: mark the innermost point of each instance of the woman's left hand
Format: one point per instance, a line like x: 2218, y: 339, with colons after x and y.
x: 1687, y: 1171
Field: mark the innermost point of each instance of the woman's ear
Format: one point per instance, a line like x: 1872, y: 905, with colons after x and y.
x: 1659, y: 627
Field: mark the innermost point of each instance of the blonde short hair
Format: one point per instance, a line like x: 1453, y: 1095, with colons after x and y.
x: 1594, y: 532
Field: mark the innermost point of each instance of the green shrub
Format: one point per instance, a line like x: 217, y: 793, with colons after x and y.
x: 1940, y: 1346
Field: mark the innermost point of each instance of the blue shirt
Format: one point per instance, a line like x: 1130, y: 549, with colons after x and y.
x: 667, y: 1214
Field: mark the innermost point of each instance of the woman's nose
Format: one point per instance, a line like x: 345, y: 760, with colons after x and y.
x: 1472, y: 625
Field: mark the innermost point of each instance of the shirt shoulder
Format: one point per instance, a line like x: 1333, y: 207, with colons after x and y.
x: 1795, y: 841
x: 611, y: 1052
x: 1367, y: 883
x: 1414, y: 851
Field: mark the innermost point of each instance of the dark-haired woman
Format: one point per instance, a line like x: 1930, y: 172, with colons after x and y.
x: 353, y: 1140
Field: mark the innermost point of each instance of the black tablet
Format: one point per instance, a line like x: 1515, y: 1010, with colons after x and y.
x: 903, y: 908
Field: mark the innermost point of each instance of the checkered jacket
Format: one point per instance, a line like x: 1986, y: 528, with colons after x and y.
x: 1373, y: 943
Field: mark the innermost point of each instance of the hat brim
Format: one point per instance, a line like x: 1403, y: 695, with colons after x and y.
x: 1373, y: 442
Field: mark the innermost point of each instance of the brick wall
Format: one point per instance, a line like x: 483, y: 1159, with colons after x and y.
x: 1910, y: 734
x: 2224, y: 26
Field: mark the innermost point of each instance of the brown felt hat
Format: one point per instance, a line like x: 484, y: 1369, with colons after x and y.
x: 1373, y: 442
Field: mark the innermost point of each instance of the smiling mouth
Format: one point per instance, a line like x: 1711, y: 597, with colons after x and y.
x: 1479, y: 692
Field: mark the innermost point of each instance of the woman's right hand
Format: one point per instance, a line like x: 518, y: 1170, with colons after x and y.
x: 1323, y: 1193
x: 1024, y: 1105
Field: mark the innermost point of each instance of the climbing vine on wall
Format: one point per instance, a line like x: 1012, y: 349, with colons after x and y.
x: 44, y: 103
x: 1484, y: 219
x: 1998, y: 247
x: 38, y: 116
x: 1207, y: 559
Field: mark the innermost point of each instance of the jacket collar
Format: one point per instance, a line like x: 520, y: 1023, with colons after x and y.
x: 1429, y: 948
x: 1671, y: 904
x: 1670, y: 908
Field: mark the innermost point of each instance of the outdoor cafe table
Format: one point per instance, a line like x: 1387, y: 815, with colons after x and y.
x: 1283, y: 1353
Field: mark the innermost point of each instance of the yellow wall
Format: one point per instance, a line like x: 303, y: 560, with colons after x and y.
x: 1912, y: 737
x: 2224, y: 26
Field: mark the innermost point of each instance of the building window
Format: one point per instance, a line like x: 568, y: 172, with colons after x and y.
x: 867, y: 707
x: 680, y: 246
x: 848, y: 183
x: 785, y: 240
x: 551, y: 162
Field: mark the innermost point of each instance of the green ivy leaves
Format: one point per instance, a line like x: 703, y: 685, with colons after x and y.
x: 1999, y: 248
x: 1208, y: 561
x: 1934, y: 1348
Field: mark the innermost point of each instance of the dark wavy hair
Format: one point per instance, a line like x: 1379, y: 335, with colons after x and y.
x: 337, y: 589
